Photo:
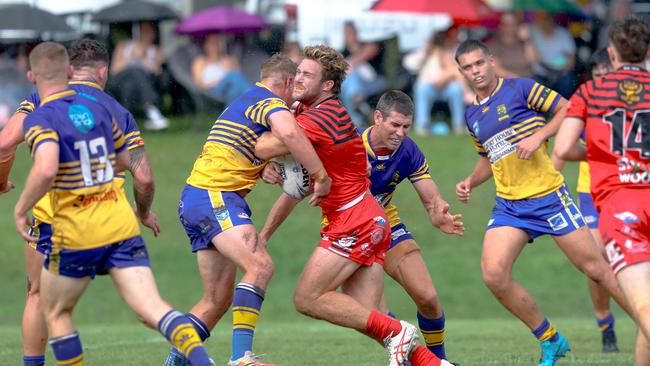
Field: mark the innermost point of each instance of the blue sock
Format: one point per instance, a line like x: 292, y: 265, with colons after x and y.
x: 246, y: 305
x: 34, y: 360
x: 606, y: 324
x: 433, y: 331
x: 67, y: 350
x: 180, y: 332
x: 199, y: 326
x: 546, y: 332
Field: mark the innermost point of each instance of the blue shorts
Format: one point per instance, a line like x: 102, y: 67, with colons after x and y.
x: 205, y: 214
x: 588, y: 210
x: 44, y: 233
x: 554, y: 214
x: 398, y: 234
x: 97, y: 261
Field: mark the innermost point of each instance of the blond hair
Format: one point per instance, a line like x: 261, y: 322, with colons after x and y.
x: 333, y: 65
x: 49, y: 61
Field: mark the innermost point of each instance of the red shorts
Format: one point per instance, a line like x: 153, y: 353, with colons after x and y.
x: 360, y: 233
x: 625, y: 227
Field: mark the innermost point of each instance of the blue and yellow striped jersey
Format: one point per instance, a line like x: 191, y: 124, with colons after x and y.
x: 514, y: 111
x: 125, y: 121
x: 389, y: 168
x: 88, y: 210
x: 228, y: 162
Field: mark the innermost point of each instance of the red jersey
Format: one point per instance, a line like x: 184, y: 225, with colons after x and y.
x: 616, y: 111
x: 340, y: 147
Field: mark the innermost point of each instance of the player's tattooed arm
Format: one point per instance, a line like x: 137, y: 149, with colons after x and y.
x: 143, y: 188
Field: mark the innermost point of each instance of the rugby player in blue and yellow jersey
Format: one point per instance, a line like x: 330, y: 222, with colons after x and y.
x: 507, y: 124
x: 216, y: 217
x: 89, y: 60
x: 394, y: 157
x: 77, y: 149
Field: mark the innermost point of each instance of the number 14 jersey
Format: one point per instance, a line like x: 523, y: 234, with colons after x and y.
x: 616, y: 112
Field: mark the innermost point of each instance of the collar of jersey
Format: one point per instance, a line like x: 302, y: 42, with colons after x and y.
x: 263, y: 86
x: 58, y: 95
x: 88, y: 83
x: 496, y: 90
x: 368, y: 144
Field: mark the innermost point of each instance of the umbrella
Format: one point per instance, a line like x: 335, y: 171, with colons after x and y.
x: 22, y: 22
x: 135, y: 11
x: 220, y: 19
x: 461, y: 11
x: 555, y: 6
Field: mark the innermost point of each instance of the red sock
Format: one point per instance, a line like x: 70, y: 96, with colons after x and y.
x: 421, y: 356
x: 380, y: 326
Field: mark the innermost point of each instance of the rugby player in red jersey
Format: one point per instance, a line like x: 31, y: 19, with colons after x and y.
x: 615, y: 113
x: 356, y: 234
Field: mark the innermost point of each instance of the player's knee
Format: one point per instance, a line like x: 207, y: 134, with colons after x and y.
x: 263, y: 266
x: 303, y: 303
x: 428, y: 303
x: 496, y: 279
x: 595, y: 270
x: 218, y: 302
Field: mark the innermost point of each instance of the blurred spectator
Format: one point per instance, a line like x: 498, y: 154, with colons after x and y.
x: 618, y: 10
x: 513, y: 50
x: 437, y: 79
x: 137, y: 79
x: 557, y: 53
x: 293, y: 50
x: 218, y: 73
x: 600, y: 64
x: 14, y: 85
x: 364, y: 78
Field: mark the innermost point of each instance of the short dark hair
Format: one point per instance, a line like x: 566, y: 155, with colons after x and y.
x: 600, y: 58
x: 333, y: 65
x: 278, y: 64
x: 395, y: 100
x: 87, y: 52
x: 630, y: 37
x: 469, y: 46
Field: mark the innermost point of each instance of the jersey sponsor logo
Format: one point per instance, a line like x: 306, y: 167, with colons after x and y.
x: 346, y: 242
x: 502, y: 112
x: 557, y: 222
x: 380, y: 220
x: 476, y: 128
x: 85, y: 200
x: 485, y: 109
x: 630, y: 91
x: 243, y: 215
x: 380, y: 167
x: 498, y: 145
x: 82, y: 118
x: 627, y: 217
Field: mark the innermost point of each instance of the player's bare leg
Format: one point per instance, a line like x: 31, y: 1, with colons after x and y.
x: 137, y: 287
x: 600, y: 299
x: 642, y: 350
x: 33, y: 325
x: 635, y: 283
x: 413, y: 275
x: 581, y: 249
x: 501, y: 248
x: 316, y: 295
x: 357, y: 287
x: 241, y: 245
x: 59, y: 295
x: 218, y: 277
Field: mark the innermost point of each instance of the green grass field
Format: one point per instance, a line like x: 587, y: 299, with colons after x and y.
x: 479, y: 331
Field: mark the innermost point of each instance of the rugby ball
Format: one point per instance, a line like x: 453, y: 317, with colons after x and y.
x: 296, y: 177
